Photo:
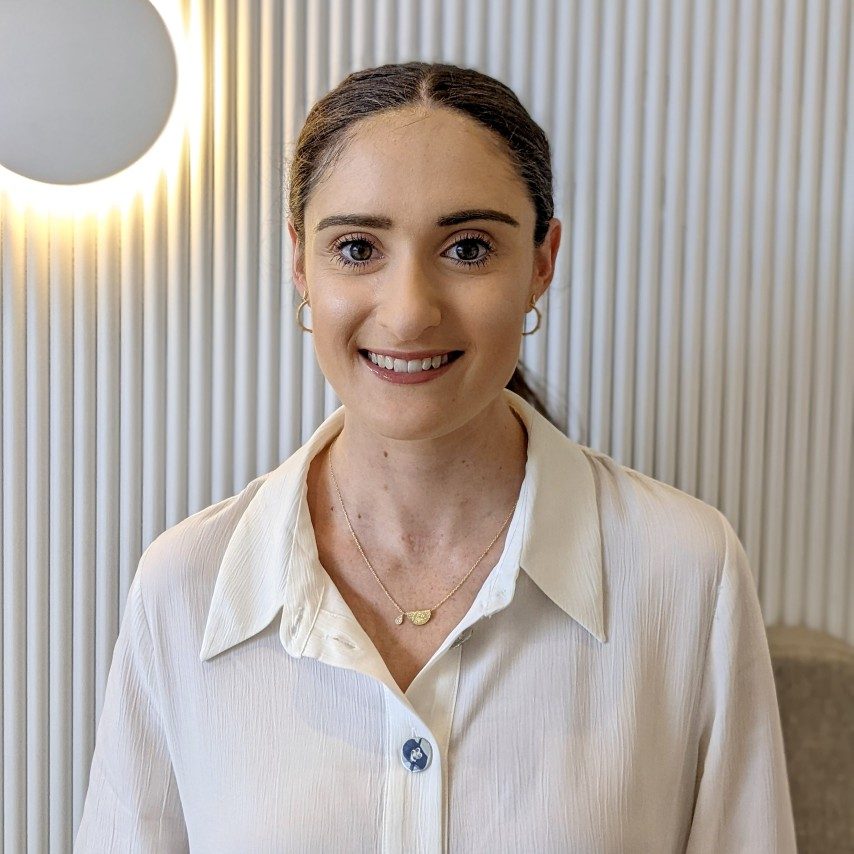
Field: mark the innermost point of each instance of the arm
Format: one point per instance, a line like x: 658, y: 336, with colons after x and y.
x: 742, y: 801
x: 132, y: 804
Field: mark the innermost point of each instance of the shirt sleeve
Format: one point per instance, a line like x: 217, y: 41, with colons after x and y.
x: 132, y: 805
x: 742, y: 799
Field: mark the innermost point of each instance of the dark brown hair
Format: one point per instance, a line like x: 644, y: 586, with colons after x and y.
x: 327, y: 128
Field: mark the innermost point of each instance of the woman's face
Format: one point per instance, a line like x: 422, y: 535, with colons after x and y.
x: 396, y: 279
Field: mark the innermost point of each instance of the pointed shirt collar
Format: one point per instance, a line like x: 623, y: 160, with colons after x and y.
x: 270, y: 562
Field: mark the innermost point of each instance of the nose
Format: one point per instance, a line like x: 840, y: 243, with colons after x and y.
x: 409, y: 302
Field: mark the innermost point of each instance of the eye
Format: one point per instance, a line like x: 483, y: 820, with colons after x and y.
x: 351, y: 240
x: 471, y: 242
x: 355, y: 251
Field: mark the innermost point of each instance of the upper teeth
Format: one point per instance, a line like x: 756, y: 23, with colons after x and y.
x: 402, y: 366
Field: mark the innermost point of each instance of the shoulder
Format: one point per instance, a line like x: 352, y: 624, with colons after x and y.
x: 655, y: 526
x: 183, y: 560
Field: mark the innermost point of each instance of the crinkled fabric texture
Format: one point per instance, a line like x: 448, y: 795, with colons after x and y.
x: 610, y: 690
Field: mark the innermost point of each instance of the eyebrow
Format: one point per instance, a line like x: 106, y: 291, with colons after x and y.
x: 368, y: 221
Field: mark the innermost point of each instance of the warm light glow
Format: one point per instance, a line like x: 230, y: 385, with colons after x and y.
x: 162, y: 158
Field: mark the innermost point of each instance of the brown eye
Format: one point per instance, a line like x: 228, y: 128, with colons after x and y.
x: 470, y: 250
x: 360, y: 251
x: 357, y: 251
x: 358, y: 248
x: 470, y: 246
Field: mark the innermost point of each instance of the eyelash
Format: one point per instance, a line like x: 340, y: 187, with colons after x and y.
x: 473, y: 238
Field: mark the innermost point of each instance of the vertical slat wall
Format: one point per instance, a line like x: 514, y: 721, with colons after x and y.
x: 699, y: 327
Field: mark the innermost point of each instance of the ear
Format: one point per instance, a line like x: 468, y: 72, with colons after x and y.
x: 298, y: 265
x: 545, y: 256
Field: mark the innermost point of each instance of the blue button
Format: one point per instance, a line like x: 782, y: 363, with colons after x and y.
x: 416, y: 754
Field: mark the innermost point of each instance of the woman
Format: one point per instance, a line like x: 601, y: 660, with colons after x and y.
x: 491, y: 638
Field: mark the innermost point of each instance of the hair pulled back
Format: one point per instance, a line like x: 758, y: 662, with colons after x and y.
x: 330, y: 122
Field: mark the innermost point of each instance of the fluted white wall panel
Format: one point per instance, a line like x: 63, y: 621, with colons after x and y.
x: 698, y: 327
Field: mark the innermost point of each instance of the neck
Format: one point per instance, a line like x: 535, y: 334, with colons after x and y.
x: 430, y: 493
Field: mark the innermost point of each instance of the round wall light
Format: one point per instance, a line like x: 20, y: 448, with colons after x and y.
x: 92, y: 99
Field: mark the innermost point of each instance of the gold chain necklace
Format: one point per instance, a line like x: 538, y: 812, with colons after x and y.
x: 420, y: 617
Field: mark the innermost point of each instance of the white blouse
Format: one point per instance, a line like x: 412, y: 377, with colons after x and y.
x: 610, y: 689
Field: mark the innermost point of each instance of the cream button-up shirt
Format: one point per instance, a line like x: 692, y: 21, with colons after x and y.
x: 609, y: 690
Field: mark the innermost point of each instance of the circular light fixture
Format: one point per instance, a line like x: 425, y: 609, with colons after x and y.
x: 95, y: 98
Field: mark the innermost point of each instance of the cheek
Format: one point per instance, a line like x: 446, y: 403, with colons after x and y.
x: 499, y: 333
x: 335, y: 323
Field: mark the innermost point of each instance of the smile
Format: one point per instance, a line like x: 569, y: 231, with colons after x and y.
x: 411, y: 371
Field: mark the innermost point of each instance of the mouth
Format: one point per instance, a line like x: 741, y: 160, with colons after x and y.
x: 410, y: 371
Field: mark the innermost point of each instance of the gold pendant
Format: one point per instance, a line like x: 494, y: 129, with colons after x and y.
x: 399, y: 619
x: 418, y: 618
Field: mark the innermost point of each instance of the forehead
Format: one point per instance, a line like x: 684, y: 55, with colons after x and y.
x: 411, y: 163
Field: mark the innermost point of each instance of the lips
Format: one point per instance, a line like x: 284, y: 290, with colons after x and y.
x: 404, y: 377
x: 453, y: 355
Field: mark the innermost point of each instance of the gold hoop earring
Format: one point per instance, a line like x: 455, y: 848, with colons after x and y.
x: 539, y: 318
x: 299, y: 322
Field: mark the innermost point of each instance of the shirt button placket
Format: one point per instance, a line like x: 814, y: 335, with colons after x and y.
x: 418, y: 734
x: 412, y: 801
